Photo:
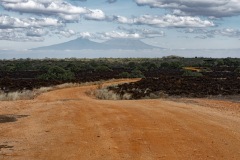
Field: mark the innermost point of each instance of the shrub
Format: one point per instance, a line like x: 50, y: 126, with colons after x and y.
x: 72, y: 67
x: 188, y: 73
x: 106, y: 94
x: 57, y: 73
x: 175, y: 65
x: 237, y: 70
x: 165, y: 65
x: 131, y: 65
x: 124, y: 75
x: 136, y: 74
x: 102, y: 69
x: 18, y: 95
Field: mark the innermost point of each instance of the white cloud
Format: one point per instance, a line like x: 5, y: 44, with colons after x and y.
x: 95, y: 15
x: 215, y: 8
x: 13, y: 22
x: 204, y: 33
x: 229, y: 32
x: 44, y: 22
x: 30, y: 29
x: 44, y: 7
x: 86, y: 35
x: 145, y: 33
x: 116, y: 34
x: 111, y: 1
x: 123, y: 20
x: 69, y: 18
x: 18, y: 34
x: 124, y: 33
x: 166, y: 21
x: 66, y: 32
x: 58, y: 8
x: 39, y: 32
x: 109, y: 35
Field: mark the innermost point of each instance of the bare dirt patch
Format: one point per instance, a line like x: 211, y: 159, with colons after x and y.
x: 63, y: 127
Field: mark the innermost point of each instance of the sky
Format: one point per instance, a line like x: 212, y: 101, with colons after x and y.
x: 172, y: 24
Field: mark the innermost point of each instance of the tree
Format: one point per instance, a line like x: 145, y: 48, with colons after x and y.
x: 175, y: 65
x: 131, y: 65
x: 72, y: 67
x: 136, y: 74
x: 102, y: 68
x: 188, y: 73
x: 124, y: 75
x: 148, y: 66
x: 165, y: 65
x: 58, y: 73
x: 237, y: 70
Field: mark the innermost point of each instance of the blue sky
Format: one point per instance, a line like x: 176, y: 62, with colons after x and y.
x: 175, y: 24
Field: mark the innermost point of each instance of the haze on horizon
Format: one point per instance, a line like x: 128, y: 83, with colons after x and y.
x: 175, y: 24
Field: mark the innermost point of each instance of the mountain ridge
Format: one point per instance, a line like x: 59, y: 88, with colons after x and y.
x: 81, y: 44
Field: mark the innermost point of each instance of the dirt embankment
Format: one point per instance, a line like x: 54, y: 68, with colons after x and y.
x: 67, y: 124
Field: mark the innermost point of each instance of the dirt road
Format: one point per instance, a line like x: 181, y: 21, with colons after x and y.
x: 66, y: 124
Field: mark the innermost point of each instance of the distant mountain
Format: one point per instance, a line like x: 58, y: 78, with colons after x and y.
x: 76, y: 44
x: 80, y: 44
x: 127, y: 44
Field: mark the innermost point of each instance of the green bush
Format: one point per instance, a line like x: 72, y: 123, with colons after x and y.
x: 164, y: 65
x: 44, y: 68
x: 72, y: 67
x: 136, y: 74
x: 237, y: 70
x: 102, y: 69
x: 57, y: 73
x: 188, y: 73
x: 124, y: 75
x: 175, y: 65
x: 172, y: 65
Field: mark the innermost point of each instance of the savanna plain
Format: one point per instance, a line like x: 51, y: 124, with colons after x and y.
x: 166, y: 108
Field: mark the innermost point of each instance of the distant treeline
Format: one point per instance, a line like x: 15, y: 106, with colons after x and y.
x: 26, y: 74
x: 143, y: 64
x: 71, y: 68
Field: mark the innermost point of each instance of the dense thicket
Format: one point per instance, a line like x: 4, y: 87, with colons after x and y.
x: 20, y: 74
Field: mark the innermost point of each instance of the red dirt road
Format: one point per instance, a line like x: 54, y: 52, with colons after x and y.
x: 66, y: 124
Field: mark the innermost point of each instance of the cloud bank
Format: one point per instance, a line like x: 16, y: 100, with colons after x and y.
x: 214, y: 8
x: 165, y: 21
x: 125, y: 33
x: 49, y: 18
x: 204, y: 33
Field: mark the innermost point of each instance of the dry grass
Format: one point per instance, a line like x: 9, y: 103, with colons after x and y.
x: 18, y: 95
x: 31, y: 94
x: 103, y: 93
x: 156, y: 95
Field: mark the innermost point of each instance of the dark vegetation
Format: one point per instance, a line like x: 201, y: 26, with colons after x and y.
x: 10, y: 118
x: 5, y: 146
x: 192, y: 77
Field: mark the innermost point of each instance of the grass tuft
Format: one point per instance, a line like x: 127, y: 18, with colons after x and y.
x: 31, y: 94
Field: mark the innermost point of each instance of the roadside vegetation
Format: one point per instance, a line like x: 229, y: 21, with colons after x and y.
x: 25, y: 76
